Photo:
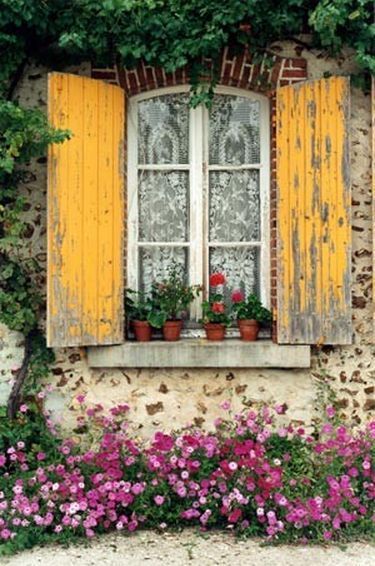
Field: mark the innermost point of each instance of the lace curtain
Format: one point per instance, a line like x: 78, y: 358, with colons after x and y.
x: 233, y: 188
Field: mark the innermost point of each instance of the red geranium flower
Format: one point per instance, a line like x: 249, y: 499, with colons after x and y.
x: 217, y: 279
x: 237, y: 296
x: 218, y: 307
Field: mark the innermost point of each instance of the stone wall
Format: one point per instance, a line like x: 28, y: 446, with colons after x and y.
x: 165, y: 398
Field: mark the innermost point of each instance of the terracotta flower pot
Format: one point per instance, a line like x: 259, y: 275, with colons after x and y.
x: 249, y: 329
x: 142, y: 330
x: 215, y: 331
x: 172, y: 330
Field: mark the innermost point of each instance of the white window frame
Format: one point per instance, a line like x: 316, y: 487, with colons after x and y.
x: 199, y: 169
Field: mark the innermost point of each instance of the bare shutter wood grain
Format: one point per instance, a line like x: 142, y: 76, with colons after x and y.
x: 85, y: 213
x: 313, y: 213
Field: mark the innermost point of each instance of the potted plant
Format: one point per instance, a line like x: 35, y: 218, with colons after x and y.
x: 250, y: 314
x: 139, y: 308
x: 214, y: 316
x: 171, y: 298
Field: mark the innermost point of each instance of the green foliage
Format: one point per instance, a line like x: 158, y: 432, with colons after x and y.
x: 249, y: 474
x: 214, y: 310
x: 252, y: 309
x: 171, y: 297
x: 19, y: 299
x: 351, y: 22
x: 25, y: 134
x: 138, y: 306
x: 173, y: 33
x: 39, y: 365
x: 32, y: 430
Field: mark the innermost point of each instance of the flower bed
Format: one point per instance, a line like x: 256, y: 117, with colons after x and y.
x: 250, y: 475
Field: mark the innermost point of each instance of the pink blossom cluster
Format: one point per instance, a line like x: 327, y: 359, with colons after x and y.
x: 248, y: 474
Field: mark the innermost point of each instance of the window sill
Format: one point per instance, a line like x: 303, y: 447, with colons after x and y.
x: 198, y: 352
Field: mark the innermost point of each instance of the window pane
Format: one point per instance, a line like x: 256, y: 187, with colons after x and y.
x: 234, y: 132
x: 163, y: 200
x: 234, y: 208
x: 240, y: 266
x: 163, y: 129
x: 154, y: 264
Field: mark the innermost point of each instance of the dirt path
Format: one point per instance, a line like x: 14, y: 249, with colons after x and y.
x: 190, y: 549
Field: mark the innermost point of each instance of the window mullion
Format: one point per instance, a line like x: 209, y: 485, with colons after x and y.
x: 196, y: 213
x: 205, y: 197
x: 132, y: 198
x: 265, y: 202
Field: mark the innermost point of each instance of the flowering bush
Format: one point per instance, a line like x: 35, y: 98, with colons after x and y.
x: 249, y: 474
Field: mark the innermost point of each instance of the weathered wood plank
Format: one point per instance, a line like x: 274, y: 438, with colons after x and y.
x: 314, y: 250
x: 85, y: 213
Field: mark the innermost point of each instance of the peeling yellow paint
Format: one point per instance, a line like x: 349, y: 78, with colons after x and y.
x: 85, y: 213
x: 313, y: 218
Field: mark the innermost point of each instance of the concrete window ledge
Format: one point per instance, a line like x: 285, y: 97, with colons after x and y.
x: 198, y: 352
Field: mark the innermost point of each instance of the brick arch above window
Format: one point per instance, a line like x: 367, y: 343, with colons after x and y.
x: 236, y: 69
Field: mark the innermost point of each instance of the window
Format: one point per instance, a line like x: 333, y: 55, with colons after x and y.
x: 198, y: 186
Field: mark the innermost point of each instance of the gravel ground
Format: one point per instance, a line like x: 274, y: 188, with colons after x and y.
x: 190, y: 548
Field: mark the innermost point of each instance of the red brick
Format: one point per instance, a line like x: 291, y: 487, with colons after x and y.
x: 141, y: 77
x: 231, y: 53
x: 255, y: 74
x: 298, y: 63
x: 104, y: 74
x: 170, y: 79
x: 275, y: 72
x: 227, y: 73
x: 294, y: 74
x: 179, y: 76
x: 133, y: 85
x: 121, y: 77
x: 245, y: 76
x: 159, y: 77
x: 151, y: 83
x: 236, y: 72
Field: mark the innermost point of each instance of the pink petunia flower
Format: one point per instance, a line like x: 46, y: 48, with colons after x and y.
x: 330, y: 412
x: 159, y: 499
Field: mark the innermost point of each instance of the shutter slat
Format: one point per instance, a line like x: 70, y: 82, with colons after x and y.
x: 314, y: 252
x: 85, y: 213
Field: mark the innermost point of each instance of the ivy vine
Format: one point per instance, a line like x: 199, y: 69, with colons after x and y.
x: 166, y: 33
x: 24, y: 135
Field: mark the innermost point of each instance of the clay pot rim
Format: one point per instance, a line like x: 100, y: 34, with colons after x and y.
x: 248, y: 321
x: 174, y: 322
x: 141, y: 322
x: 214, y: 324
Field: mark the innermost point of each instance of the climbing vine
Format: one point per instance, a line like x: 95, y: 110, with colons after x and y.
x: 167, y: 33
x: 25, y: 134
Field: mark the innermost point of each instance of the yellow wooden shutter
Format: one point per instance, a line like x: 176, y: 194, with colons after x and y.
x: 85, y: 213
x: 313, y: 218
